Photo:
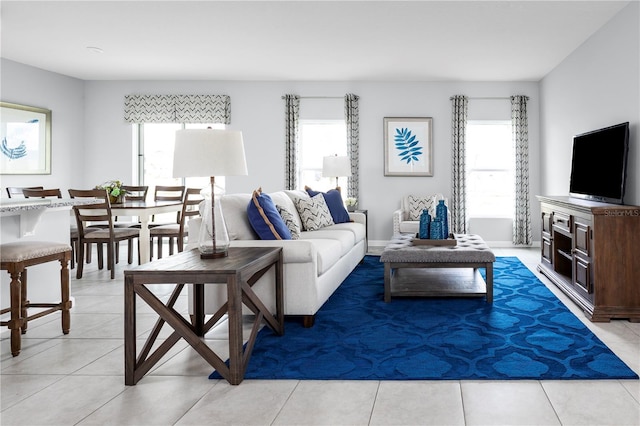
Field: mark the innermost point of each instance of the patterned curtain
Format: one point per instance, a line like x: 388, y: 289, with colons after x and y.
x: 177, y: 109
x: 291, y: 121
x: 352, y: 119
x: 459, y: 169
x: 520, y: 128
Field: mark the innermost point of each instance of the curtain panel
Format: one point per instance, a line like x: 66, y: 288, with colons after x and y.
x: 459, y: 170
x: 177, y: 109
x: 292, y: 124
x: 520, y: 129
x: 352, y: 120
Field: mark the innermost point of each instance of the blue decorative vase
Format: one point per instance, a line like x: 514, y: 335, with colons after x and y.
x: 442, y: 216
x: 436, y: 230
x: 425, y: 222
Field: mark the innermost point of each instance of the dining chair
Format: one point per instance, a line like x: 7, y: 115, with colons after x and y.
x: 167, y: 193
x: 13, y: 191
x: 100, y: 212
x: 73, y: 229
x: 190, y: 204
x: 133, y: 193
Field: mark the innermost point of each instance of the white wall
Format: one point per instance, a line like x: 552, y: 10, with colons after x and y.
x: 257, y: 109
x: 92, y: 143
x: 598, y: 85
x: 25, y: 85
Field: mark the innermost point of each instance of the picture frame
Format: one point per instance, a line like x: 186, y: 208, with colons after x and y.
x: 408, y: 146
x: 25, y: 140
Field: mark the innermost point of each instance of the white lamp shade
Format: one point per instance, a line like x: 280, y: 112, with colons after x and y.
x: 209, y: 152
x: 336, y: 166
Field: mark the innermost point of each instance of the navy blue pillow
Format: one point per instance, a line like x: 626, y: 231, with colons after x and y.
x: 333, y: 198
x: 265, y: 219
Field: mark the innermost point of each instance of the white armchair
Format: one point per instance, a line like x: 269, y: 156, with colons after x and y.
x: 407, y: 218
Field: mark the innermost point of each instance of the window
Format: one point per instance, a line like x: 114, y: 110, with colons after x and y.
x: 155, y: 155
x: 490, y: 159
x: 318, y: 139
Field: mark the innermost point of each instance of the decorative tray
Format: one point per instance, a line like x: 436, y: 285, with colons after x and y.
x: 428, y: 242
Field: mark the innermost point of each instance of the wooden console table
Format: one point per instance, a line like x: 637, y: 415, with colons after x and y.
x: 239, y: 271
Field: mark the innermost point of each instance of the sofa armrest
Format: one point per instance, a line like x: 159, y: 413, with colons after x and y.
x: 358, y: 218
x: 293, y: 251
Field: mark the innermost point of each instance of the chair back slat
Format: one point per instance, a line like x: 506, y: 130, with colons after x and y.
x: 136, y: 193
x: 190, y: 206
x: 42, y: 193
x: 17, y: 191
x: 169, y: 193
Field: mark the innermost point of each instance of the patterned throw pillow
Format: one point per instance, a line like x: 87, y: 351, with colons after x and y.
x: 333, y: 198
x: 417, y: 204
x: 313, y: 212
x: 290, y: 221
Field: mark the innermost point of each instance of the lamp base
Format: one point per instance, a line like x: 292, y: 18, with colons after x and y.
x: 215, y: 255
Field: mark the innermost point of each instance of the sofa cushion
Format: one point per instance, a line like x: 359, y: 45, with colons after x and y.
x: 333, y: 198
x: 313, y: 212
x: 290, y: 221
x: 418, y: 204
x: 265, y: 219
x: 234, y: 210
x: 343, y: 236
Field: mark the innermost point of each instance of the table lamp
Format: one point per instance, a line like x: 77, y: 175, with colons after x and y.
x: 210, y: 152
x: 336, y: 166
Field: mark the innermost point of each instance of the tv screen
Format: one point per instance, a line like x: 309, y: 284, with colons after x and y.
x: 599, y: 163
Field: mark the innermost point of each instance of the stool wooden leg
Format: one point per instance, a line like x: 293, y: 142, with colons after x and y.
x: 15, y: 324
x: 24, y: 303
x: 64, y: 292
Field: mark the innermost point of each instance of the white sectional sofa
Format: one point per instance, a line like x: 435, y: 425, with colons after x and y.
x: 314, y: 265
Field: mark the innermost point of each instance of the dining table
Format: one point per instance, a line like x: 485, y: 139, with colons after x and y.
x: 144, y: 210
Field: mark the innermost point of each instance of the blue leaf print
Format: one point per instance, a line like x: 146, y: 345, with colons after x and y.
x: 408, y: 145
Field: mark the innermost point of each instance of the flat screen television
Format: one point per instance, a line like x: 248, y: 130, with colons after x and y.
x: 599, y: 164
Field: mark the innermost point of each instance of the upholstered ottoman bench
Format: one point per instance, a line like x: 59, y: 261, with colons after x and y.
x: 437, y: 270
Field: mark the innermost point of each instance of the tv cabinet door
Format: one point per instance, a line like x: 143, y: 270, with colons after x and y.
x: 582, y: 249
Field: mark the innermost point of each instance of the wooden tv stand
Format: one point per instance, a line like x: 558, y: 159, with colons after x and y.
x: 591, y: 251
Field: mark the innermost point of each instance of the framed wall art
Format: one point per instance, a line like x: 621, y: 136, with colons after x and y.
x: 25, y: 140
x: 408, y: 146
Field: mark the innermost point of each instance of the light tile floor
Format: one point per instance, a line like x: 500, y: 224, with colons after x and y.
x: 78, y: 379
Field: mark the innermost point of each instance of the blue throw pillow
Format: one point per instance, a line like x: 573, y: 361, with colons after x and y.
x: 265, y: 219
x: 333, y: 198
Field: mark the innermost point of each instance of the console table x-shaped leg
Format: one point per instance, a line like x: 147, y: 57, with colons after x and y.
x: 239, y: 271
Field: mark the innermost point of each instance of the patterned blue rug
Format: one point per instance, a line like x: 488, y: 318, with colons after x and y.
x: 526, y: 334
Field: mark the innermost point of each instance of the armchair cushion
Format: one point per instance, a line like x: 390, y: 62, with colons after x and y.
x: 265, y: 219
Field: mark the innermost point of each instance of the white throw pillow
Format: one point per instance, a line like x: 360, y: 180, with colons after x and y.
x: 313, y: 212
x: 418, y: 204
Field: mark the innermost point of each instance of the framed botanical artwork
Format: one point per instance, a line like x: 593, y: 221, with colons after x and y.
x: 408, y: 146
x: 25, y: 140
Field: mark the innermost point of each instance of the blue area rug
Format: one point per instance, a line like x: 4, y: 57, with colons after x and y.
x: 526, y: 334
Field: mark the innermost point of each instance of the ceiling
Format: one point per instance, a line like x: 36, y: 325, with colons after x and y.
x: 299, y: 40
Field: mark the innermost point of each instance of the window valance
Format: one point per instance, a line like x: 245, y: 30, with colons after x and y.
x: 177, y: 109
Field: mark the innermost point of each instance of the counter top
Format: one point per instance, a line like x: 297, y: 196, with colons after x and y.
x: 25, y: 204
x: 29, y: 210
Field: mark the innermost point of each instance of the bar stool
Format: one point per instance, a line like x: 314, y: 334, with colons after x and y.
x: 16, y: 257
